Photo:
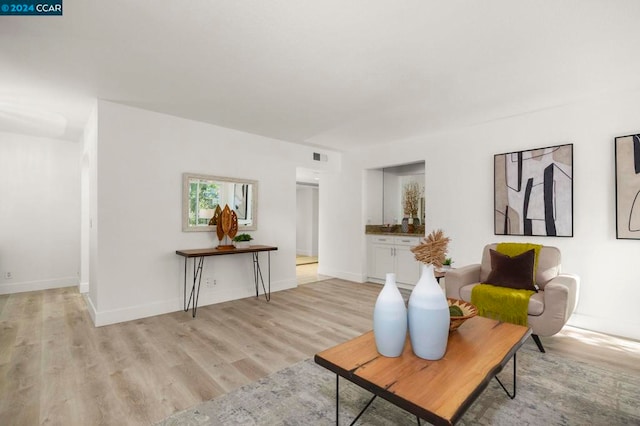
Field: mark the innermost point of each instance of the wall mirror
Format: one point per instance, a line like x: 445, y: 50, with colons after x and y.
x: 201, y: 194
x: 393, y: 181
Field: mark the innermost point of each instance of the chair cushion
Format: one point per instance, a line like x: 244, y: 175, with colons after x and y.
x: 513, y: 272
x: 536, y: 302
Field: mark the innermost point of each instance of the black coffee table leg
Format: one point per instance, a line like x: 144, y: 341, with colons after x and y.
x: 361, y: 412
x: 512, y: 396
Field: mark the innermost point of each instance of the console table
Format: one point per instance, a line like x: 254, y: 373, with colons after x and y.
x: 198, y: 256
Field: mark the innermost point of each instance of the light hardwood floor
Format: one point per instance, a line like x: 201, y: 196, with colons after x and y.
x: 57, y: 368
x: 308, y: 273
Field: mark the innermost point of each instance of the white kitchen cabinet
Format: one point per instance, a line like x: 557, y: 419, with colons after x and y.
x: 388, y: 253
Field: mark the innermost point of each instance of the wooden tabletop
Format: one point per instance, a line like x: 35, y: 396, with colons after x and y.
x: 213, y: 251
x: 437, y: 391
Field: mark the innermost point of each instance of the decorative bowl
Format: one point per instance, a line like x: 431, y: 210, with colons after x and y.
x: 468, y: 310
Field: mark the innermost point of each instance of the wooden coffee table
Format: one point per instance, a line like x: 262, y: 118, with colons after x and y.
x: 437, y: 391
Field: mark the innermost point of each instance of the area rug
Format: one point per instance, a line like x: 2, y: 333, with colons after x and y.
x: 550, y: 391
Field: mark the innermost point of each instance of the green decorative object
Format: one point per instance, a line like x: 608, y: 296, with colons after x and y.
x: 502, y: 303
x: 467, y: 309
x: 241, y: 241
x: 455, y: 311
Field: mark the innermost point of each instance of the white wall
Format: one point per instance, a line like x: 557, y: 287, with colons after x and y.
x: 459, y: 199
x: 373, y: 196
x: 90, y: 189
x: 88, y: 200
x: 141, y: 156
x: 342, y: 221
x: 306, y: 220
x: 39, y: 213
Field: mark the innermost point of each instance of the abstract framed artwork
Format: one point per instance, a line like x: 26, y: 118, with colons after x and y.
x: 533, y: 192
x: 628, y: 187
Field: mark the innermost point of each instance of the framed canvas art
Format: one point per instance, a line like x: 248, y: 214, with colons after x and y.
x: 628, y: 187
x: 533, y: 192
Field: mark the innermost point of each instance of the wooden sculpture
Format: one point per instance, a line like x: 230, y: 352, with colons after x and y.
x: 226, y: 227
x: 216, y: 216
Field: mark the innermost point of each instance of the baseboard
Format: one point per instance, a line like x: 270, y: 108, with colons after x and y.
x: 210, y: 296
x: 303, y: 253
x: 83, y: 287
x: 136, y: 312
x: 207, y: 297
x: 10, y: 288
x: 282, y: 285
x: 343, y: 275
x: 91, y: 308
x: 400, y: 285
x: 616, y: 327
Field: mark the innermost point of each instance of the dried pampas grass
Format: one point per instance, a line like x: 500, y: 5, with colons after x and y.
x: 432, y: 250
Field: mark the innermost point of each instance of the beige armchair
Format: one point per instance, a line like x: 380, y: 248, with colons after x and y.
x: 549, y: 309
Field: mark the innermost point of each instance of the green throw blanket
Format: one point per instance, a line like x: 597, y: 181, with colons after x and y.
x: 502, y: 303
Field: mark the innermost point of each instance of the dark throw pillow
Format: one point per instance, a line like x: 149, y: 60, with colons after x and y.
x: 513, y: 272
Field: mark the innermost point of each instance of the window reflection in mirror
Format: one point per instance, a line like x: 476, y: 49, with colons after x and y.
x: 203, y: 193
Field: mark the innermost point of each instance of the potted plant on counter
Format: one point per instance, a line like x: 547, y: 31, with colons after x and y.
x: 447, y: 263
x: 242, y: 240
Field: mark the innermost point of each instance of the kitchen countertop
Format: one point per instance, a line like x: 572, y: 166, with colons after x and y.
x: 395, y: 234
x: 393, y: 230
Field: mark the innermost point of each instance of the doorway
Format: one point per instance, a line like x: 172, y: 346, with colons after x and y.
x: 307, y: 212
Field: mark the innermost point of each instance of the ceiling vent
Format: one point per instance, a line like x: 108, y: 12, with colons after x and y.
x: 320, y: 157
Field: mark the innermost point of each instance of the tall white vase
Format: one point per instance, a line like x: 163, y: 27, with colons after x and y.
x: 390, y: 319
x: 428, y: 317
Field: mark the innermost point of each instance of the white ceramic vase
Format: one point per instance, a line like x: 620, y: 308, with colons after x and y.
x: 390, y: 319
x: 428, y: 317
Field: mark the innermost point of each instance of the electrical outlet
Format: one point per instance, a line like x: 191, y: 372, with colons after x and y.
x: 209, y: 282
x: 8, y: 275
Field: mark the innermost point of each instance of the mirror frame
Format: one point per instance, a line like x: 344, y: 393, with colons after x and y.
x: 186, y: 179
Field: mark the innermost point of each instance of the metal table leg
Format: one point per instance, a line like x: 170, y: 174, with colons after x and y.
x: 195, y: 288
x: 257, y: 276
x: 361, y: 411
x: 512, y: 396
x: 337, y: 398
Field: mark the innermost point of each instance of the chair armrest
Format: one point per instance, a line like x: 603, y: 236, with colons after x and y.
x: 561, y: 295
x: 459, y: 277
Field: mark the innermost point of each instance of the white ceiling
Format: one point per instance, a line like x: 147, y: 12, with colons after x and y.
x: 332, y: 73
